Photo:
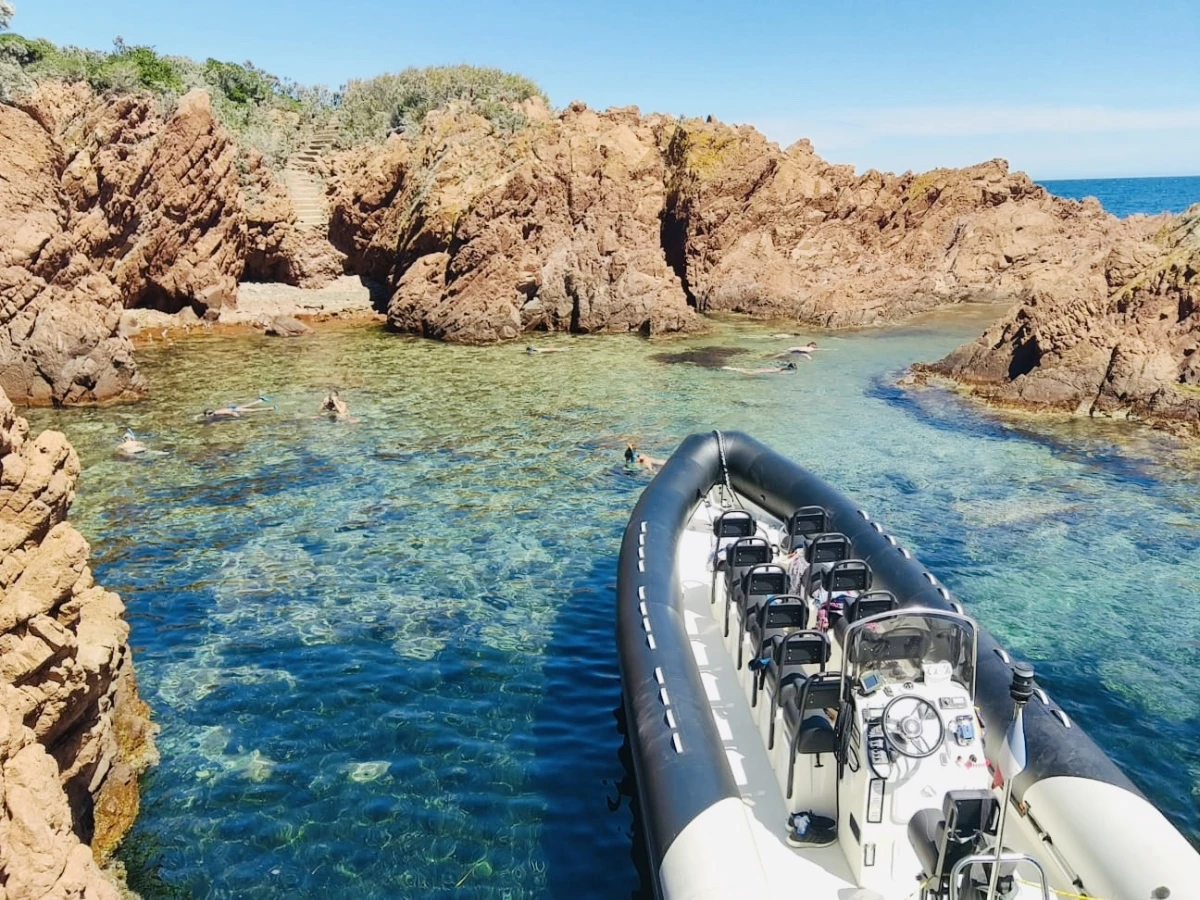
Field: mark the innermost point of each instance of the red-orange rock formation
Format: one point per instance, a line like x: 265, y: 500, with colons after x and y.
x: 74, y: 735
x: 484, y: 235
x: 1120, y: 339
x: 104, y: 204
x: 569, y: 223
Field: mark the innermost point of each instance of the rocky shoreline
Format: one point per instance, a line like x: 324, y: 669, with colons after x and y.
x: 74, y: 735
x: 1119, y: 341
x: 115, y: 211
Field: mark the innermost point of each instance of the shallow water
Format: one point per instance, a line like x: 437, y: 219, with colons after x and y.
x: 382, y: 653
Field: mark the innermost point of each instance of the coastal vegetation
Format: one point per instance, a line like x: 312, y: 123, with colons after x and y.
x: 273, y: 115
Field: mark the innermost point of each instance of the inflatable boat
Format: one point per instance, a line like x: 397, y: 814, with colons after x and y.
x: 812, y: 715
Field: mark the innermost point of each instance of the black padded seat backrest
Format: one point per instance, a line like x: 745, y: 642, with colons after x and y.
x: 871, y: 603
x: 827, y: 548
x: 941, y: 841
x: 734, y: 523
x: 806, y: 522
x: 803, y: 648
x: 782, y: 613
x: 757, y: 585
x: 747, y: 552
x: 740, y: 554
x: 847, y: 576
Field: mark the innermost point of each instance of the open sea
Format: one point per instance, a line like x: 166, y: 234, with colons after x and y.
x: 1126, y: 196
x: 382, y: 653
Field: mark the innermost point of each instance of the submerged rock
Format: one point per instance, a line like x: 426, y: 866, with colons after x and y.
x: 74, y: 735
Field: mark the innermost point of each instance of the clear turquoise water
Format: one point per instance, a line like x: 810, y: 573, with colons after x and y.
x: 382, y: 653
x: 1126, y: 196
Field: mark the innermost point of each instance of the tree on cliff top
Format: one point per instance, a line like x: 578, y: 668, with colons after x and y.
x: 373, y: 108
x: 6, y: 14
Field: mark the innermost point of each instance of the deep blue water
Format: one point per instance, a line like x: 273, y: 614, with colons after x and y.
x: 382, y: 654
x: 1126, y: 196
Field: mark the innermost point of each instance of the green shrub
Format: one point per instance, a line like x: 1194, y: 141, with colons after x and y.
x: 373, y: 108
x: 267, y: 113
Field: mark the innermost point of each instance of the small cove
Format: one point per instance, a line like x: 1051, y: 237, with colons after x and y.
x: 382, y: 654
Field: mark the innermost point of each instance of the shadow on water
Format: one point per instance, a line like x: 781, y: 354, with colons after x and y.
x: 704, y: 357
x: 589, y: 823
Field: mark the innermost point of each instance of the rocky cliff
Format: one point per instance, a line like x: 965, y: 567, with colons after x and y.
x: 1119, y: 339
x: 617, y: 221
x: 483, y: 235
x: 581, y: 221
x: 109, y: 203
x: 73, y: 733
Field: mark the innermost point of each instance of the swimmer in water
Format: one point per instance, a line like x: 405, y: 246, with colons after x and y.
x: 532, y: 349
x: 806, y: 351
x: 632, y: 457
x: 789, y: 366
x: 228, y: 413
x: 131, y: 447
x: 335, y: 407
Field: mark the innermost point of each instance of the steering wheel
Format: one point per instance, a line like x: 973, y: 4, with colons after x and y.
x: 908, y: 722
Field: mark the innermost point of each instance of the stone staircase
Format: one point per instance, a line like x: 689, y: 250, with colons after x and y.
x: 306, y: 189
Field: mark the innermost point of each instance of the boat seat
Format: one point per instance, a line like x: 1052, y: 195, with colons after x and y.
x: 808, y: 721
x: 841, y: 584
x: 822, y: 551
x: 804, y: 523
x: 729, y: 527
x: 871, y: 603
x: 786, y: 667
x: 780, y: 615
x: 827, y: 548
x: 740, y: 556
x: 942, y: 837
x: 734, y: 523
x: 758, y: 585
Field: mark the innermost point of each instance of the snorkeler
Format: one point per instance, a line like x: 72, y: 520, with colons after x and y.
x: 532, y: 349
x: 228, y: 413
x: 788, y: 366
x: 131, y: 447
x: 806, y: 351
x: 335, y: 406
x: 632, y: 457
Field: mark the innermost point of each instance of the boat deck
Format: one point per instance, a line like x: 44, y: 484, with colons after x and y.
x: 821, y: 871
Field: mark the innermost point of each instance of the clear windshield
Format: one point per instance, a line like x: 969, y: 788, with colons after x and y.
x: 906, y: 644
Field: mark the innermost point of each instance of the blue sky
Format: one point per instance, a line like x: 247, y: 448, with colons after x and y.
x: 1095, y: 89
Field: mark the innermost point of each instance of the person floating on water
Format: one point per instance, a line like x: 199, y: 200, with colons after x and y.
x: 632, y: 457
x: 788, y: 366
x: 533, y: 349
x: 335, y: 406
x: 131, y: 447
x: 228, y: 413
x: 806, y: 351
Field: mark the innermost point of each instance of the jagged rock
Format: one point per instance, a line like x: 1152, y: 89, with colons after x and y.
x: 105, y: 203
x: 74, y: 736
x: 1121, y: 342
x: 484, y: 235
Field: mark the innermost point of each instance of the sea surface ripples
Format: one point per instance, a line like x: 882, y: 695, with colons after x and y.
x: 382, y: 653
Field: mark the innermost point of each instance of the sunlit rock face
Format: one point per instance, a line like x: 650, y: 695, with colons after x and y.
x: 1119, y: 341
x: 73, y: 733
